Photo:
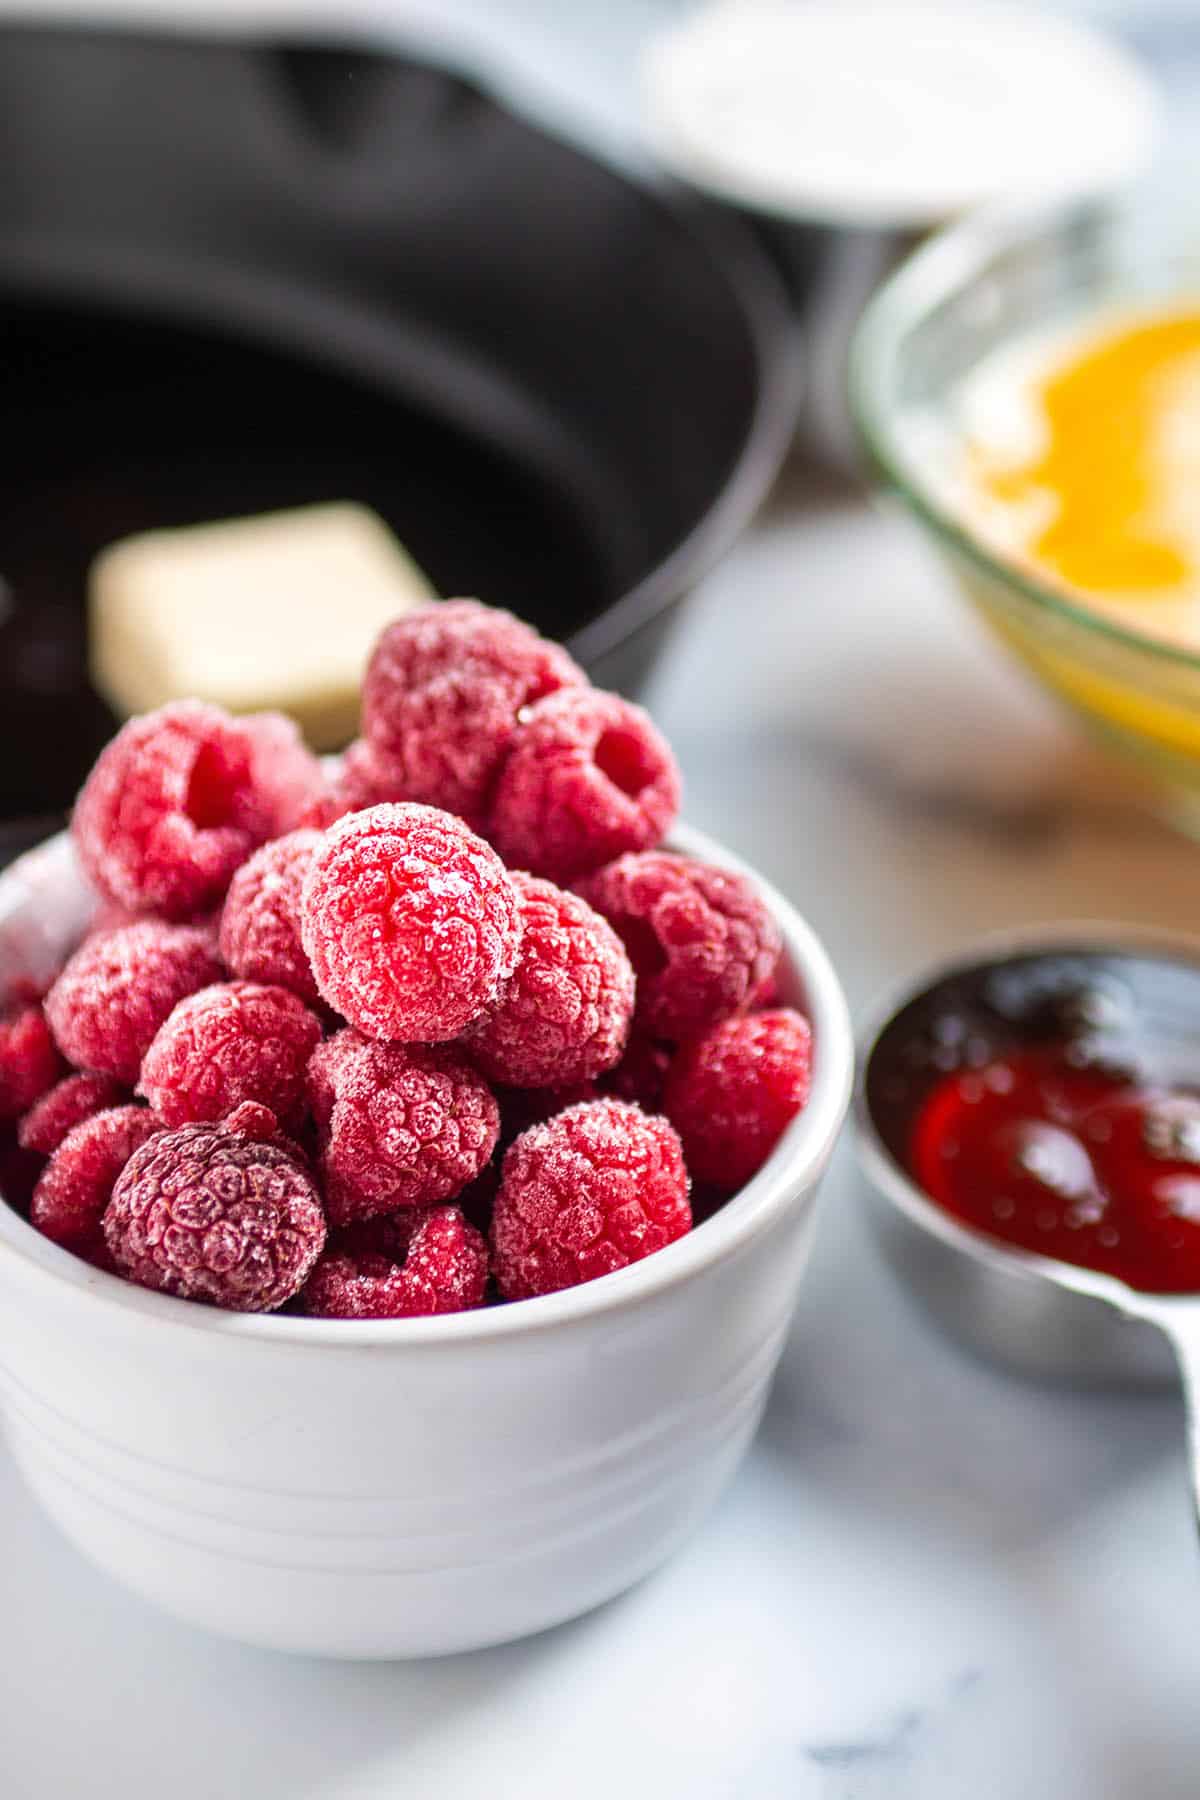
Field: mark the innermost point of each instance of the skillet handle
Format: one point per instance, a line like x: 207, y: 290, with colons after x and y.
x: 1180, y: 1320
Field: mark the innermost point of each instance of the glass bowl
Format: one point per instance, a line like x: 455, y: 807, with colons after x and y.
x: 973, y: 289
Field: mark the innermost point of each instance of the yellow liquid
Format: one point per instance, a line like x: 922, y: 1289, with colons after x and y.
x: 1103, y: 500
x: 1078, y: 459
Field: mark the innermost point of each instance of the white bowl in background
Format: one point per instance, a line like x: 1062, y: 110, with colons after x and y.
x: 409, y: 1487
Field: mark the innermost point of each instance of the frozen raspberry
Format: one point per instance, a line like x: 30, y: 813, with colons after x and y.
x: 588, y: 777
x: 443, y: 692
x: 520, y: 1108
x: 442, y: 1267
x: 75, y: 1186
x: 117, y: 989
x: 252, y: 1120
x: 411, y: 923
x: 64, y: 1106
x: 234, y: 1041
x: 598, y: 1187
x: 768, y: 994
x: 564, y: 1016
x: 641, y: 1073
x: 213, y: 1215
x: 731, y: 1095
x: 701, y: 940
x: 110, y: 915
x: 400, y: 1124
x: 29, y: 1062
x: 181, y: 797
x: 260, y: 926
x: 286, y: 779
x: 390, y: 1234
x: 357, y: 782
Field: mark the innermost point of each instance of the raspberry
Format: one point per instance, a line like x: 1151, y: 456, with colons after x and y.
x: 110, y: 915
x: 231, y: 1042
x: 768, y: 994
x: 730, y: 1095
x: 641, y: 1073
x: 117, y: 989
x: 179, y: 799
x: 443, y: 692
x: 598, y: 1187
x: 564, y: 1016
x: 213, y: 1215
x: 400, y: 1124
x: 286, y: 779
x: 29, y: 1062
x: 260, y: 925
x: 63, y: 1107
x: 701, y: 940
x: 588, y: 777
x: 253, y: 1120
x: 359, y: 781
x: 389, y: 1234
x: 75, y: 1186
x: 410, y: 922
x: 519, y: 1109
x: 442, y: 1267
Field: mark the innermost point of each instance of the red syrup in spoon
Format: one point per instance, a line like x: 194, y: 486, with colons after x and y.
x: 1053, y: 1102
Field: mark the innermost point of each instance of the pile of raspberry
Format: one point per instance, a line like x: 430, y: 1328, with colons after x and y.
x: 438, y: 1027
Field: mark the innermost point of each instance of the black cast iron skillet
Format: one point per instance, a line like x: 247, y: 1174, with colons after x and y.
x: 240, y: 276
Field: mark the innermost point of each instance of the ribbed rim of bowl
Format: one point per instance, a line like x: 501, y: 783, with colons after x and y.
x: 890, y: 1178
x: 923, y: 281
x: 792, y: 1168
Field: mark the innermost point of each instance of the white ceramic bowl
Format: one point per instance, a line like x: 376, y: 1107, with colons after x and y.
x: 412, y: 1487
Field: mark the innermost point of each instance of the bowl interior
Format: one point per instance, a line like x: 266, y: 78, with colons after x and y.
x: 279, y: 273
x: 184, y: 424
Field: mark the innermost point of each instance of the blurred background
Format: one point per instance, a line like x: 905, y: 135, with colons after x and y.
x: 551, y: 290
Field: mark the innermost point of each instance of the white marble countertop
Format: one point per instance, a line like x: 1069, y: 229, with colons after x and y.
x: 929, y: 1580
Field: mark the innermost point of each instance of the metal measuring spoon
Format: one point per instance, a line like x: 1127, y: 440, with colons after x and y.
x: 1043, y: 1317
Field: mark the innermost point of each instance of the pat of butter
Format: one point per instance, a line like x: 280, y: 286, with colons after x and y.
x: 278, y: 611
